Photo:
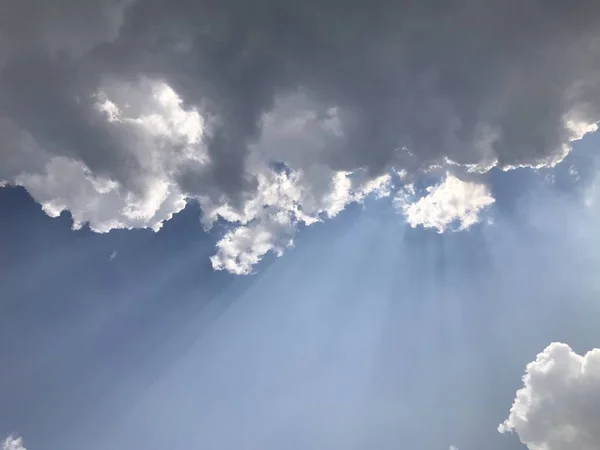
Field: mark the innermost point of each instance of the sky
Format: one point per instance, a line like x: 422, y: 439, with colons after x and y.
x: 299, y: 225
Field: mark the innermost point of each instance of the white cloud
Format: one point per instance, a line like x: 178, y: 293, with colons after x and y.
x: 243, y: 247
x: 448, y: 202
x: 579, y: 128
x: 103, y: 204
x: 13, y: 443
x: 282, y: 202
x: 559, y: 406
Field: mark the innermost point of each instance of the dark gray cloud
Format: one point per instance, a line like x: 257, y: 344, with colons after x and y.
x: 442, y: 80
x: 364, y: 86
x: 70, y: 26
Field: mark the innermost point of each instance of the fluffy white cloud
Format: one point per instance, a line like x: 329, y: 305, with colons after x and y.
x: 283, y: 201
x: 559, y: 406
x: 13, y: 443
x: 448, y: 202
x: 69, y: 185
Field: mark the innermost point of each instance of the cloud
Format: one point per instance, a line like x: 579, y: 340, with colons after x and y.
x: 149, y: 135
x: 13, y: 443
x: 284, y: 201
x: 61, y: 25
x: 450, y: 201
x: 559, y: 406
x: 272, y: 117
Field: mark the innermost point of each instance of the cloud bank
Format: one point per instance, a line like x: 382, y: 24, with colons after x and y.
x: 559, y: 406
x: 273, y: 115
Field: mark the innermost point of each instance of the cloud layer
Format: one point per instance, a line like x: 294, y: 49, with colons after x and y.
x: 273, y: 115
x: 559, y: 406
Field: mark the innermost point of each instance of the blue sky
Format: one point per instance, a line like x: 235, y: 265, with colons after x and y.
x: 301, y: 225
x: 367, y: 334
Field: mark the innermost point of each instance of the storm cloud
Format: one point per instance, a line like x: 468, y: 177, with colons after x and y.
x: 274, y: 114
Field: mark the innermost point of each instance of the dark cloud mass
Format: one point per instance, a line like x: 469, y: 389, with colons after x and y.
x: 457, y: 79
x: 327, y: 87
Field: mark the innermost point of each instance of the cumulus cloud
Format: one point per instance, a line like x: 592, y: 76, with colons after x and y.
x: 149, y: 134
x: 13, y: 443
x: 450, y: 201
x: 284, y: 201
x: 559, y: 406
x: 273, y: 115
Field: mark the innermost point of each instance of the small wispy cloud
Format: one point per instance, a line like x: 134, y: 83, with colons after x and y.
x: 113, y: 255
